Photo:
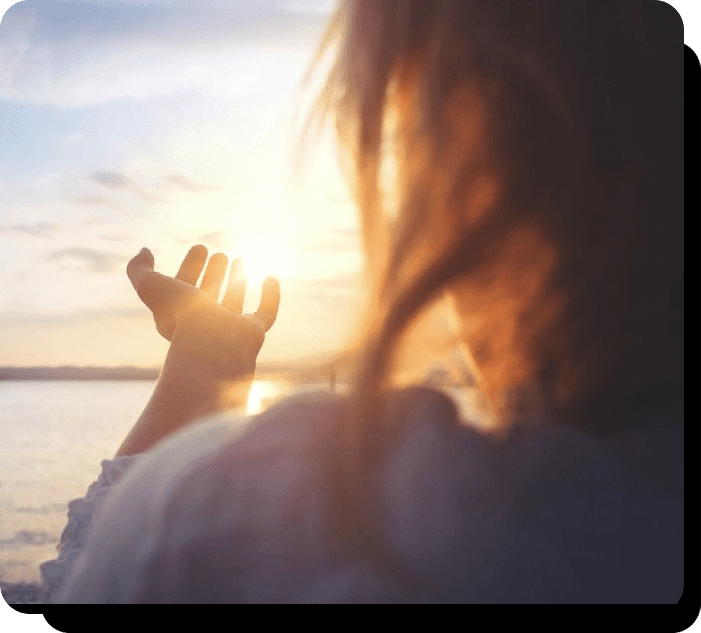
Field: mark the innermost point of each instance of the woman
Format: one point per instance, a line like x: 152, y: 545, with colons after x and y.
x: 538, y: 189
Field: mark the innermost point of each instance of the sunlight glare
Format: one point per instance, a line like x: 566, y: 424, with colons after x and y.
x: 263, y: 393
x: 263, y: 257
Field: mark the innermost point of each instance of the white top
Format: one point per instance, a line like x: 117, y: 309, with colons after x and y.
x: 227, y: 511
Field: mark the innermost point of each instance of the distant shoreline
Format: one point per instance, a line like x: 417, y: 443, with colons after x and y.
x: 78, y: 373
x: 290, y: 371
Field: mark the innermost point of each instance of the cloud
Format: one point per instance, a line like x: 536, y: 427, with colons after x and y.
x: 341, y: 286
x: 116, y: 237
x: 25, y: 537
x: 217, y: 239
x: 89, y: 201
x: 44, y: 230
x: 75, y: 317
x: 190, y: 185
x: 59, y: 12
x: 315, y: 7
x: 96, y: 261
x: 81, y: 54
x: 119, y: 182
x: 111, y: 179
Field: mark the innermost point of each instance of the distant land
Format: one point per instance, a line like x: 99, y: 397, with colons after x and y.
x: 78, y: 373
x: 305, y: 370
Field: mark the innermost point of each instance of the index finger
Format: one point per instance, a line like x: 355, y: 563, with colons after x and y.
x: 192, y: 265
x: 269, y: 302
x: 165, y: 296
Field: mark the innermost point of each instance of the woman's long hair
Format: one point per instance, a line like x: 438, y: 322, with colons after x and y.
x: 576, y: 108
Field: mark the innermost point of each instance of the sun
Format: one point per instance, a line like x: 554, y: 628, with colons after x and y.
x: 263, y: 256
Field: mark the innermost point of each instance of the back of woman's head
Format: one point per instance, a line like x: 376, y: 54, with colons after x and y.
x: 537, y: 154
x: 538, y: 179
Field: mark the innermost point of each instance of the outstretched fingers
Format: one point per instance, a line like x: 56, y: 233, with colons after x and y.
x: 192, y: 265
x: 269, y: 302
x: 236, y: 288
x: 214, y: 275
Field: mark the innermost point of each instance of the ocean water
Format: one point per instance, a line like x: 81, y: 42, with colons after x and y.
x: 53, y: 436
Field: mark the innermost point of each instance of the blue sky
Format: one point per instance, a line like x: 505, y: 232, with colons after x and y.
x: 161, y: 124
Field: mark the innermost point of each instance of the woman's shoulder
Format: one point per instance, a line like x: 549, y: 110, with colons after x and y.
x: 294, y: 442
x: 429, y: 444
x: 268, y: 487
x: 306, y: 426
x: 229, y: 498
x: 290, y: 423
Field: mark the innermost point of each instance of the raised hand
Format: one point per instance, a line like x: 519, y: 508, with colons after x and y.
x: 214, y: 340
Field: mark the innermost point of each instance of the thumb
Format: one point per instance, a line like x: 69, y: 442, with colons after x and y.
x: 164, y: 296
x: 139, y: 266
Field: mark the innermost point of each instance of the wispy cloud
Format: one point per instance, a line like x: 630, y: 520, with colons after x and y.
x: 45, y: 230
x: 90, y: 201
x: 119, y: 182
x: 96, y: 261
x: 111, y: 179
x: 108, y: 237
x: 75, y: 317
x: 339, y: 286
x: 314, y: 7
x: 217, y: 239
x: 74, y: 54
x: 185, y: 183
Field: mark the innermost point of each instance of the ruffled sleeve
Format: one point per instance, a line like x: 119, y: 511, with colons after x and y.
x: 80, y: 515
x: 121, y: 540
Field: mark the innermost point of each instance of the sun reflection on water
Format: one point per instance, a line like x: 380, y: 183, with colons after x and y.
x: 264, y: 392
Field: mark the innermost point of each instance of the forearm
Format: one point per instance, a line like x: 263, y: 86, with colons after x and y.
x: 177, y: 403
x: 212, y: 356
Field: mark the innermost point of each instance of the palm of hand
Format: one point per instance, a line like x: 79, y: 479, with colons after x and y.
x: 217, y: 339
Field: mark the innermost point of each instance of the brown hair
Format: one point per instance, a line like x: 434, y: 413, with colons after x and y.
x: 539, y: 156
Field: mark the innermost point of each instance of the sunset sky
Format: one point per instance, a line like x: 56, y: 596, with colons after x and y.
x: 161, y: 124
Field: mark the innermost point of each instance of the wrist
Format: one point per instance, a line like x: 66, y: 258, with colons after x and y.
x: 197, y: 392
x: 208, y: 365
x: 177, y: 403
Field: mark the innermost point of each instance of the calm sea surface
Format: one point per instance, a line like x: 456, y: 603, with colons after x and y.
x: 53, y: 436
